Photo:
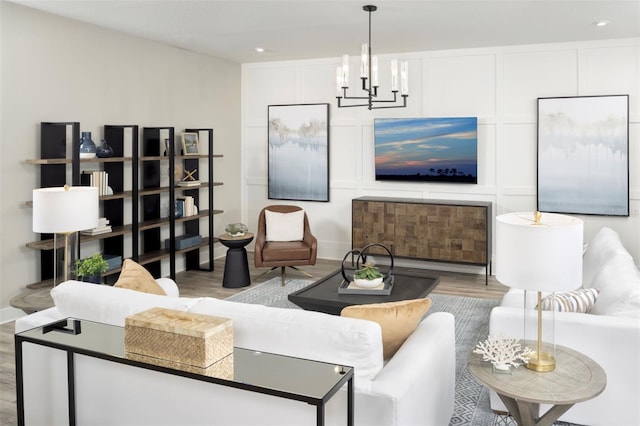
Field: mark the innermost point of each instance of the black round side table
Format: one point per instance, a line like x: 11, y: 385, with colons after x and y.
x: 236, y: 267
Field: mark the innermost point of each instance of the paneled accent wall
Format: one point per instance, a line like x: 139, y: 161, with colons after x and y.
x: 498, y: 85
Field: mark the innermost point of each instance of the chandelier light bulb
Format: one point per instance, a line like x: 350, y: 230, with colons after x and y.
x: 394, y: 75
x: 364, y: 63
x: 374, y: 71
x: 404, y: 78
x: 345, y: 70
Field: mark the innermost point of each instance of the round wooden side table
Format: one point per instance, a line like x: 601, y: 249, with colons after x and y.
x: 576, y: 378
x: 236, y: 266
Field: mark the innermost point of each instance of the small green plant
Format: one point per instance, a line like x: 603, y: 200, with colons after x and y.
x: 368, y: 272
x: 94, y: 265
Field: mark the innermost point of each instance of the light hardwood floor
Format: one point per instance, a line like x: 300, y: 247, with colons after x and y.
x: 205, y: 283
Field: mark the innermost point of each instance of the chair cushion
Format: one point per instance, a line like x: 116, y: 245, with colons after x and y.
x: 135, y: 277
x: 397, y: 320
x: 284, y: 226
x: 278, y: 251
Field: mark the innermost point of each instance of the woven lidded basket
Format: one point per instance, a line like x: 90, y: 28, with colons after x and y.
x: 182, y: 337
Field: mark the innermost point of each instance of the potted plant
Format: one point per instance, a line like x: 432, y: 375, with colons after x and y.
x: 91, y: 268
x: 368, y: 276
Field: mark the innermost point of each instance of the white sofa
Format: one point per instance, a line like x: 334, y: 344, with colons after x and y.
x: 609, y: 333
x: 415, y: 387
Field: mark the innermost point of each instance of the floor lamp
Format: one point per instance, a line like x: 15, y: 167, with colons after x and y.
x: 64, y: 210
x: 543, y: 253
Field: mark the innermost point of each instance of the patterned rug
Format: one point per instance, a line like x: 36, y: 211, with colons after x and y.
x: 472, y: 324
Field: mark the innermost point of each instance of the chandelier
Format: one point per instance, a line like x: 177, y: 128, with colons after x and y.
x: 369, y: 77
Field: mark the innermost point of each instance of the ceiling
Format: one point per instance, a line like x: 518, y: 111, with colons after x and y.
x: 302, y: 29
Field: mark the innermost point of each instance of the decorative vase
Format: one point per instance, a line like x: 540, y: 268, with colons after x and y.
x: 500, y: 368
x: 87, y: 147
x: 94, y: 279
x: 362, y: 283
x: 104, y: 150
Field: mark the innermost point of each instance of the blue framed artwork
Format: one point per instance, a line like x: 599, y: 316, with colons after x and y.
x: 583, y: 155
x: 298, y: 154
x: 432, y: 149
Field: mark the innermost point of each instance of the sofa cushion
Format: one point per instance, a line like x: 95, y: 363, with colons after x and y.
x: 284, y: 226
x: 603, y: 247
x: 303, y: 334
x: 109, y: 305
x: 619, y: 284
x: 135, y: 277
x: 580, y: 300
x: 397, y: 320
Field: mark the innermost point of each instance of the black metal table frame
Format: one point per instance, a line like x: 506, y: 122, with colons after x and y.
x: 347, y: 377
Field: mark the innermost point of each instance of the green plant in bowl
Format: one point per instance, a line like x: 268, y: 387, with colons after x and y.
x: 369, y: 272
x: 91, y: 267
x: 368, y: 276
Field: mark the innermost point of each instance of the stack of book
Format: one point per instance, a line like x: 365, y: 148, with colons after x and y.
x: 185, y: 206
x: 99, y: 179
x: 102, y: 228
x: 189, y: 183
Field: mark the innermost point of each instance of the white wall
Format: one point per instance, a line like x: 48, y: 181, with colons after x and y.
x: 498, y: 85
x: 55, y: 69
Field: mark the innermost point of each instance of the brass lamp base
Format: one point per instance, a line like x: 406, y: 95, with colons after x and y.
x: 542, y: 364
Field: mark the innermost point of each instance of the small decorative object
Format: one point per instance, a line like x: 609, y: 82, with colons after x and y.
x: 190, y: 144
x: 91, y: 268
x: 236, y: 229
x: 369, y: 276
x: 87, y: 147
x: 502, y: 353
x: 104, y: 150
x: 189, y: 179
x: 167, y: 147
x: 368, y: 271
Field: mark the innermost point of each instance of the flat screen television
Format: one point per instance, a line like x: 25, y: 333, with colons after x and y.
x: 426, y: 149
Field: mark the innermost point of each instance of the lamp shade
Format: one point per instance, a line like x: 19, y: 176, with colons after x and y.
x: 544, y: 256
x: 65, y: 209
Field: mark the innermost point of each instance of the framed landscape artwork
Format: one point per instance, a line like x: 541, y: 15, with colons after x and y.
x: 298, y: 154
x: 583, y: 155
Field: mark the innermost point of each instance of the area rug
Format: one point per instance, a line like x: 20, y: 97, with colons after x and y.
x: 471, y: 325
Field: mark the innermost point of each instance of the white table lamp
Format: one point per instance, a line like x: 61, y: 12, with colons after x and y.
x: 64, y: 210
x: 543, y: 253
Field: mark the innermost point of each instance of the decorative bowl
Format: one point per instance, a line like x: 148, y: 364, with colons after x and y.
x: 236, y: 229
x: 367, y: 283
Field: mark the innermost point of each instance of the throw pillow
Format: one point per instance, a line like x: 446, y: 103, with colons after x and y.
x: 135, y: 277
x: 581, y: 300
x: 397, y: 320
x: 284, y: 226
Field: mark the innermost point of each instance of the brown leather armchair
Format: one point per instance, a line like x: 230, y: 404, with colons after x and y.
x: 282, y: 254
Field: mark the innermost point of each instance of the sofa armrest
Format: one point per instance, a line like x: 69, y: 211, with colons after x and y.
x: 612, y: 342
x: 421, y: 375
x: 169, y: 286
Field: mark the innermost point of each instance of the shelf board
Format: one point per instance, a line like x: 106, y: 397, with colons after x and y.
x: 155, y: 223
x: 117, y: 196
x: 48, y: 244
x: 177, y: 157
x: 154, y: 256
x: 45, y: 161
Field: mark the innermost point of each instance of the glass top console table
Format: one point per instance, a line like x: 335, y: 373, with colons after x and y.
x: 280, y: 376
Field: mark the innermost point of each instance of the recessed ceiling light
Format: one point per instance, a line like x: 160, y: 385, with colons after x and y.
x: 601, y: 23
x: 259, y: 49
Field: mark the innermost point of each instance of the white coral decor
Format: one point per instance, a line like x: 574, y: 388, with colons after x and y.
x: 502, y: 352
